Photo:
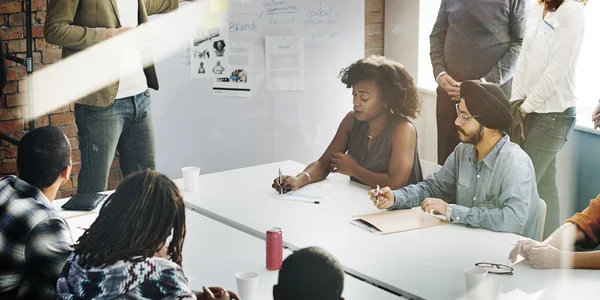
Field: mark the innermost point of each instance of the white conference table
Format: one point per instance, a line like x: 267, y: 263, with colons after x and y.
x: 214, y: 252
x: 426, y: 263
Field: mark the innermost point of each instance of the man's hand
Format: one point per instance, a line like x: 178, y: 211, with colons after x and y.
x: 450, y: 86
x: 384, y: 200
x: 112, y: 32
x: 434, y: 205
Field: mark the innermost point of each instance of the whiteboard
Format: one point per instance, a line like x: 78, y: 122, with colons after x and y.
x: 216, y: 133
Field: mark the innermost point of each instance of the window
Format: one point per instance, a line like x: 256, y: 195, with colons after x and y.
x: 588, y: 74
x: 587, y: 70
x: 428, y: 10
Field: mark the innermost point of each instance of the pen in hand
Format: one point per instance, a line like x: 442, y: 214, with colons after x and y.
x: 377, y: 199
x: 280, y: 182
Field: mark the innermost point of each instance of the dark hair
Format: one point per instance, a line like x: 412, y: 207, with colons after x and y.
x: 42, y: 155
x: 310, y: 273
x: 553, y: 5
x: 397, y: 86
x: 219, y: 41
x: 134, y: 222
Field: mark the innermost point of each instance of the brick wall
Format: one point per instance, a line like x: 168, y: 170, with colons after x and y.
x: 13, y: 103
x: 374, y: 15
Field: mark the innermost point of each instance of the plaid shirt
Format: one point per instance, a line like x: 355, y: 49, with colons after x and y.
x: 35, y: 241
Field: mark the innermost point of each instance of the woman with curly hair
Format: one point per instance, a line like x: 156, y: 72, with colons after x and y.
x: 376, y: 143
x: 219, y: 47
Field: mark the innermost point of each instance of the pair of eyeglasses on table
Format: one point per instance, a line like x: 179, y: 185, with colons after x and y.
x: 499, y: 269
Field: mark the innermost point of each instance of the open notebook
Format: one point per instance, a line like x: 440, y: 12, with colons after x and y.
x: 396, y: 221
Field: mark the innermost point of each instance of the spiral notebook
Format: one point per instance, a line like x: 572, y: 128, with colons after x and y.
x: 396, y: 221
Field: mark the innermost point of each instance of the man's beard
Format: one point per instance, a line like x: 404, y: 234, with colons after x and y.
x: 473, y: 138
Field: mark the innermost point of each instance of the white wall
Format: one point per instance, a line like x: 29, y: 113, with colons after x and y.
x: 221, y: 133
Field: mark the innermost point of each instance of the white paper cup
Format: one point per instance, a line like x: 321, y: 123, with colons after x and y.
x: 247, y: 285
x: 191, y: 177
x: 475, y: 278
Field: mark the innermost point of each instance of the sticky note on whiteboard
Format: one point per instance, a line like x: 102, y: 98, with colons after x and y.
x: 209, y: 20
x: 218, y: 6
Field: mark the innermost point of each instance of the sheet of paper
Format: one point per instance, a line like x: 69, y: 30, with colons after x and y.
x: 284, y: 63
x: 78, y: 224
x: 209, y: 50
x: 236, y: 81
x: 313, y: 193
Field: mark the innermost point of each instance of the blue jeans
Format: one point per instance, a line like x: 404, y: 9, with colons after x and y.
x: 125, y: 125
x: 547, y: 135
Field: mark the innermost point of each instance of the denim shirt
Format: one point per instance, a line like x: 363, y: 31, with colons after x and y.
x: 498, y: 193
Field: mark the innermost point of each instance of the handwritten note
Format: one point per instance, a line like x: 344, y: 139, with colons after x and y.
x: 274, y: 7
x: 312, y: 193
x: 322, y: 21
x: 246, y: 25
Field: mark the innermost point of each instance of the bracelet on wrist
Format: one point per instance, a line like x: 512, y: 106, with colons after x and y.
x: 307, y: 176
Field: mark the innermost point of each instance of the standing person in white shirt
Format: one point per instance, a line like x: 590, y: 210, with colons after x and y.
x: 545, y: 80
x: 117, y: 116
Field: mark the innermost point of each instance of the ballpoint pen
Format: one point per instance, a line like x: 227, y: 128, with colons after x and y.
x: 377, y: 202
x: 280, y: 182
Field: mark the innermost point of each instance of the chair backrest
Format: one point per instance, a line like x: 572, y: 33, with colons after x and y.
x: 429, y: 168
x: 542, y: 211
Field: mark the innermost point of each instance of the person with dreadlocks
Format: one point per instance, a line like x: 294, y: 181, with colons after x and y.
x: 126, y: 251
x: 376, y: 143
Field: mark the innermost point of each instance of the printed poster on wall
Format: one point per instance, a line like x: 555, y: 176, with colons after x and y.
x: 210, y: 49
x: 236, y: 81
x: 285, y: 63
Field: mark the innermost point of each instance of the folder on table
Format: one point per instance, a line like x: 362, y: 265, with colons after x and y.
x: 396, y: 221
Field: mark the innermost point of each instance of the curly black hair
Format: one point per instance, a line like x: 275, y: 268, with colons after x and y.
x: 397, y: 86
x: 217, y: 42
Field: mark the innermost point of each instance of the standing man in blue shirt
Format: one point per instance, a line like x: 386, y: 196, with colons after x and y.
x: 488, y: 181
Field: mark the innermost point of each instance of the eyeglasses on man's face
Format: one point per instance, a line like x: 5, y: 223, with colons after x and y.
x: 463, y: 117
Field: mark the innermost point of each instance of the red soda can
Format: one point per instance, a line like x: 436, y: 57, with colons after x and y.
x: 274, y: 248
